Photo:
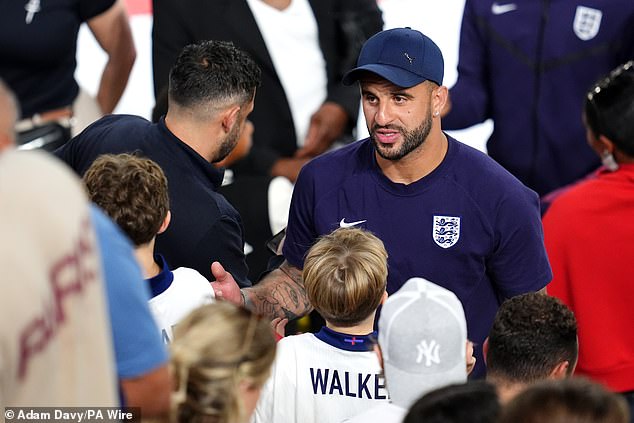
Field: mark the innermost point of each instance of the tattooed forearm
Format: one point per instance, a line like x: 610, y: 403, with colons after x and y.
x: 280, y: 294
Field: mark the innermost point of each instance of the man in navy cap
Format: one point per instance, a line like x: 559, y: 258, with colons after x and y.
x: 445, y: 211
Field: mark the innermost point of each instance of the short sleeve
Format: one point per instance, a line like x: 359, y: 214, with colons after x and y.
x: 300, y: 232
x: 90, y: 8
x: 519, y: 262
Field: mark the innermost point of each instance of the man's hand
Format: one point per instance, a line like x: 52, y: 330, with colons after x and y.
x: 280, y: 293
x: 326, y: 125
x: 225, y: 287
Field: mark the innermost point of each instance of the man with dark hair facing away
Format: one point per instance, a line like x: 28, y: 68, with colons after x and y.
x: 211, y: 93
x: 533, y: 337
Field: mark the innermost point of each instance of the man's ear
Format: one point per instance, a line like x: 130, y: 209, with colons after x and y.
x: 230, y: 117
x: 440, y: 96
x: 485, y: 349
x: 166, y: 223
x: 560, y: 371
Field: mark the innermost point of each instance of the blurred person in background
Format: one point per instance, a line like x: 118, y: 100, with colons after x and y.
x: 471, y: 402
x: 38, y: 41
x: 525, y: 64
x: 572, y: 400
x: 221, y: 357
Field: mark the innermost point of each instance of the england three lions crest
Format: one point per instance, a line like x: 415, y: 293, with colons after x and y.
x: 446, y: 231
x: 587, y: 22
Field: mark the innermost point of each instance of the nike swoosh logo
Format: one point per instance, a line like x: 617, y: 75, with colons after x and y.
x: 344, y: 224
x: 500, y: 9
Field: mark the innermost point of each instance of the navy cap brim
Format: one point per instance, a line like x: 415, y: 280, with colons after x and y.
x: 396, y: 75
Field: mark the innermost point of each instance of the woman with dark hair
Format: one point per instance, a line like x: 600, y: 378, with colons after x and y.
x: 588, y: 232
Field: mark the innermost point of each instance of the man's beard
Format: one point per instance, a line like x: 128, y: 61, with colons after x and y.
x: 411, y: 139
x: 229, y: 143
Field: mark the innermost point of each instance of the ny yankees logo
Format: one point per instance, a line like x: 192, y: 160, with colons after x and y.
x: 411, y: 59
x: 429, y: 351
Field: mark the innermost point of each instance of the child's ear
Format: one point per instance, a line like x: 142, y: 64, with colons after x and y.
x: 384, y: 297
x: 166, y: 223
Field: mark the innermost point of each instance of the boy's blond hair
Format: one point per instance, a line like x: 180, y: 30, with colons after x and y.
x: 345, y: 275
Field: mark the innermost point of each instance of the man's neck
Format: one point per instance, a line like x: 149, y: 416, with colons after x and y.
x: 192, y: 133
x: 417, y: 164
x: 506, y: 390
x: 278, y: 4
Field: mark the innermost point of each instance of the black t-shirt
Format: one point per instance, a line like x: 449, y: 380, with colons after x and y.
x: 204, y: 226
x: 38, y: 40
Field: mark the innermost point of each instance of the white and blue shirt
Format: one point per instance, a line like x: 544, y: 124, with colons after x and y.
x: 175, y: 294
x: 321, y: 378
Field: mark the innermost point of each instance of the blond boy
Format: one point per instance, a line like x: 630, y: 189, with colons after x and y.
x: 333, y: 374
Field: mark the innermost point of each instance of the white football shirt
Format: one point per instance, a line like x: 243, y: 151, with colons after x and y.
x: 321, y: 378
x: 175, y: 294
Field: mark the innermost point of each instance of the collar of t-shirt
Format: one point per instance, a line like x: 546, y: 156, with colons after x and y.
x: 345, y: 341
x: 162, y: 281
x: 292, y: 41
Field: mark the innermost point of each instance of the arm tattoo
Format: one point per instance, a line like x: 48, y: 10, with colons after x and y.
x: 280, y: 294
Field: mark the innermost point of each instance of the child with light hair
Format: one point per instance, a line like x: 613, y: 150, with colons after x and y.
x: 333, y: 374
x: 221, y: 357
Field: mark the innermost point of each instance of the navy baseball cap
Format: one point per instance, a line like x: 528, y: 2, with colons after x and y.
x: 403, y: 56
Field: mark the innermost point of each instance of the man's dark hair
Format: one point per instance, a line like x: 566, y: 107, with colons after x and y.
x: 472, y: 402
x: 131, y: 190
x: 213, y: 72
x: 573, y: 400
x: 609, y: 108
x: 531, y: 334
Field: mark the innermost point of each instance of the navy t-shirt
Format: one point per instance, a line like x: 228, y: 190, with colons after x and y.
x: 469, y: 226
x: 37, y: 50
x: 204, y: 226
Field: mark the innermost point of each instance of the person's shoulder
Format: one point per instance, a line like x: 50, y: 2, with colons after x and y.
x: 476, y: 171
x: 340, y: 161
x: 187, y: 273
x: 120, y: 122
x: 191, y: 279
x: 113, y: 132
x: 575, y: 196
x: 294, y: 343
